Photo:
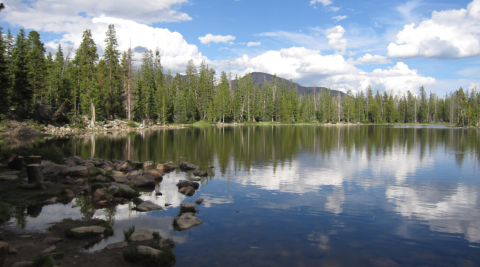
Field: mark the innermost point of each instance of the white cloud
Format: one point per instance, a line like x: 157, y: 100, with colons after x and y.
x: 216, y: 38
x: 269, y: 34
x: 335, y: 40
x: 448, y: 34
x: 253, y: 44
x: 369, y: 59
x: 52, y: 14
x: 335, y: 9
x: 475, y: 86
x: 339, y: 18
x: 324, y: 2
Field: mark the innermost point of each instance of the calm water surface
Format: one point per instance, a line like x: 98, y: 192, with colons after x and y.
x: 302, y: 195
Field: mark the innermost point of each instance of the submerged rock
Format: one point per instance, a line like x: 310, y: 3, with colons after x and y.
x: 116, y: 245
x: 200, y: 173
x: 185, y: 183
x: 155, y: 174
x: 166, y: 242
x: 148, y: 206
x: 85, y: 229
x: 189, y: 207
x: 187, y: 221
x: 199, y: 201
x: 187, y: 166
x: 195, y: 179
x: 187, y: 190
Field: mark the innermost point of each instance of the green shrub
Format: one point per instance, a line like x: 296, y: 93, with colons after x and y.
x: 128, y: 233
x: 156, y: 235
x: 43, y: 260
x: 132, y: 124
x: 166, y: 258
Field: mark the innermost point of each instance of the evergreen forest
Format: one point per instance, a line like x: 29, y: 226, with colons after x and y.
x: 66, y: 86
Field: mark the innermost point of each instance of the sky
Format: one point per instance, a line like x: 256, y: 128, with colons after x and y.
x: 341, y: 44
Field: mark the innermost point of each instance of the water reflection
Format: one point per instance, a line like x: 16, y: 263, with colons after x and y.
x: 361, y: 191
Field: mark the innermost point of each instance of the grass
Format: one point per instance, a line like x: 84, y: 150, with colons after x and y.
x: 132, y: 124
x: 166, y: 258
x: 128, y: 233
x: 4, y: 213
x: 43, y: 260
x: 201, y: 124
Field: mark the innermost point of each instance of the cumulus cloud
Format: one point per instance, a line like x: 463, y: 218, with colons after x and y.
x: 324, y: 2
x: 339, y: 18
x: 369, y: 59
x: 216, y: 38
x: 334, y: 8
x: 332, y: 71
x: 335, y: 40
x: 449, y: 34
x: 253, y: 44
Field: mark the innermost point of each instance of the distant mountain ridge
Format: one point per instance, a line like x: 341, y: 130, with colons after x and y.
x: 260, y: 77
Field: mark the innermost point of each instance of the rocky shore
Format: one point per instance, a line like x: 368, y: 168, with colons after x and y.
x: 103, y: 183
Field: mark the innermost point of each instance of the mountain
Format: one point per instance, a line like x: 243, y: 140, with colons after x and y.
x: 260, y: 77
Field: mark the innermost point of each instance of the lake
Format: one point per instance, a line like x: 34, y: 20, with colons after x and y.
x: 303, y: 195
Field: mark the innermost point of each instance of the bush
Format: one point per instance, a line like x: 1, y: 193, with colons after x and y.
x: 128, y: 233
x: 166, y: 258
x: 156, y: 235
x: 132, y: 124
x: 43, y: 260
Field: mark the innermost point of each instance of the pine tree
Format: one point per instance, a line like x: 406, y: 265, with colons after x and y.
x: 36, y: 64
x: 4, y: 75
x: 21, y: 94
x: 113, y: 81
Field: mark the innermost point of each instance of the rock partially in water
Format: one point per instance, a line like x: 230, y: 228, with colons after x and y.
x: 166, y: 242
x: 147, y: 165
x: 155, y: 174
x: 195, y: 179
x: 148, y: 250
x: 189, y: 191
x: 189, y: 207
x: 124, y: 167
x: 76, y: 171
x: 383, y: 262
x: 200, y: 173
x: 142, y: 180
x: 185, y: 183
x: 117, y: 245
x: 52, y: 200
x: 199, y: 201
x: 119, y: 179
x: 49, y: 167
x: 148, y: 206
x: 185, y: 166
x: 113, y: 189
x: 99, y: 194
x: 166, y: 167
x: 186, y: 221
x: 141, y: 235
x: 69, y: 193
x: 85, y: 229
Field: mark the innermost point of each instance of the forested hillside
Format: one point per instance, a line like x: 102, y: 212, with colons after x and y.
x: 65, y: 86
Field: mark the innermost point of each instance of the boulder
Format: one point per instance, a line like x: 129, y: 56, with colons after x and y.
x: 107, y: 167
x: 52, y: 200
x: 48, y: 250
x: 101, y: 178
x: 166, y: 167
x: 97, y: 170
x: 8, y: 177
x: 117, y: 245
x: 200, y: 173
x: 199, y: 201
x: 117, y: 173
x: 69, y: 193
x: 76, y: 171
x: 113, y: 189
x: 124, y: 167
x: 99, y: 194
x: 147, y: 165
x: 133, y: 173
x: 189, y: 207
x: 23, y: 264
x: 148, y: 250
x: 142, y: 180
x: 135, y: 164
x: 124, y: 187
x: 185, y: 166
x: 119, y: 178
x: 94, y: 229
x: 156, y: 175
x: 185, y: 183
x: 195, y: 179
x: 49, y: 167
x: 186, y: 221
x: 187, y: 190
x: 148, y: 206
x: 141, y: 235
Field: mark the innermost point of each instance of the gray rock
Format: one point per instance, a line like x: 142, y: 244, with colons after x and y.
x: 148, y: 206
x: 50, y: 249
x: 23, y: 264
x: 200, y: 173
x: 189, y: 191
x: 156, y: 175
x: 148, y: 250
x: 49, y: 167
x: 199, y: 201
x: 69, y: 193
x: 147, y: 165
x: 76, y: 171
x: 195, y: 179
x: 119, y: 178
x: 99, y: 194
x: 185, y: 183
x: 141, y: 235
x: 8, y: 177
x: 116, y: 245
x: 113, y: 189
x: 101, y: 178
x: 166, y: 167
x: 125, y: 188
x: 52, y: 200
x: 124, y: 167
x: 85, y: 229
x: 383, y: 262
x: 166, y: 242
x: 142, y: 180
x: 9, y: 173
x: 189, y: 207
x: 187, y: 221
x: 187, y: 166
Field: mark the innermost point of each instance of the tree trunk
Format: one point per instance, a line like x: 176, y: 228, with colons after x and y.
x: 34, y: 173
x: 92, y: 106
x: 33, y: 160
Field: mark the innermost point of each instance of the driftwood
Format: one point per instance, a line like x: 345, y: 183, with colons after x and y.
x: 15, y: 162
x: 34, y: 172
x: 33, y: 160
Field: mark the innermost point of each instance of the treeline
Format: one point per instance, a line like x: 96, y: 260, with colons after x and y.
x: 65, y: 87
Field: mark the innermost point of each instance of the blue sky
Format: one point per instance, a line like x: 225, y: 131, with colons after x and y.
x: 345, y: 45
